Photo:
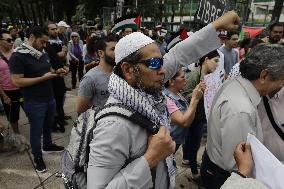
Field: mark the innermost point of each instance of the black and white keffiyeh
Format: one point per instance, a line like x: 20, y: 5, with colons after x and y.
x: 55, y: 41
x: 154, y: 108
x: 147, y: 105
x: 27, y: 49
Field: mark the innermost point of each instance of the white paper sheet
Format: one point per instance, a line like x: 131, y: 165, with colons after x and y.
x: 267, y: 168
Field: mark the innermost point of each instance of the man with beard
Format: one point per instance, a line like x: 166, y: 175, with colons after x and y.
x: 57, y: 56
x: 31, y: 70
x: 62, y: 28
x: 93, y: 88
x: 123, y: 154
x: 275, y: 33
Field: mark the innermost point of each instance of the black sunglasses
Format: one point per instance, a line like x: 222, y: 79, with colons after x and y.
x: 153, y: 63
x: 9, y: 40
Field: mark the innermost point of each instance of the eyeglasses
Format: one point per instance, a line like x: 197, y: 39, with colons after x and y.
x: 153, y: 63
x: 74, y: 36
x: 9, y: 40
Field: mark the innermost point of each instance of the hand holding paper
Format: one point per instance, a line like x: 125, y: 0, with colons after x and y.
x: 267, y: 168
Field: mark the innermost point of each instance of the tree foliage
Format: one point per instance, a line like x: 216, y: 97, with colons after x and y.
x: 37, y: 11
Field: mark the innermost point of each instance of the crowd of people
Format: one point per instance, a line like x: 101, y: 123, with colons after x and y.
x: 166, y: 85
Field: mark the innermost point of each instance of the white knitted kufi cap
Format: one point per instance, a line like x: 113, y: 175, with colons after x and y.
x: 130, y: 44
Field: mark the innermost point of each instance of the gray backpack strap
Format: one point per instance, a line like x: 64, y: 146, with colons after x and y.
x: 127, y: 113
x: 121, y: 110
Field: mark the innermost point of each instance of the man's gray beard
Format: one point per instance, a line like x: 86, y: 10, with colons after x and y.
x: 141, y: 86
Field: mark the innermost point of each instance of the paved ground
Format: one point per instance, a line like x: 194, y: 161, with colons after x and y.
x: 16, y: 169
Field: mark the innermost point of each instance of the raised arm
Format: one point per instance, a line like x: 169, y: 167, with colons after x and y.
x: 185, y: 119
x: 198, y: 44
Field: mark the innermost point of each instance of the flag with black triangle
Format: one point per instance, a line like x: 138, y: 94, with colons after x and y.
x: 128, y: 21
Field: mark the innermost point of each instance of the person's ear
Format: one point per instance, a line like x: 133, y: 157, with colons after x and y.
x: 101, y: 53
x: 205, y: 60
x: 127, y: 71
x: 264, y: 76
x: 171, y: 82
x: 32, y: 37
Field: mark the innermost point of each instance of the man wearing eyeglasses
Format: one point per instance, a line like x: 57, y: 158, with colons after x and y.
x: 234, y: 111
x: 123, y: 154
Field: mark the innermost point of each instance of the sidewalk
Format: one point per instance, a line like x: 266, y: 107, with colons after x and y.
x: 16, y: 170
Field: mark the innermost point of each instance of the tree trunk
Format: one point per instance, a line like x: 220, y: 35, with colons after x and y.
x: 277, y: 10
x: 33, y: 13
x: 172, y: 18
x: 23, y: 11
x: 41, y: 19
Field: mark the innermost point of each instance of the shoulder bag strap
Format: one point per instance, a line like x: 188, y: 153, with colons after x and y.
x: 270, y: 116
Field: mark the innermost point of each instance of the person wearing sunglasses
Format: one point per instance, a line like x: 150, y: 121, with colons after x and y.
x: 11, y: 96
x: 122, y: 154
x: 182, y: 113
x: 8, y: 40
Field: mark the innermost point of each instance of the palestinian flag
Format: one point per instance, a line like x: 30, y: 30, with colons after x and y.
x: 241, y: 35
x: 178, y: 37
x: 161, y: 31
x: 253, y: 31
x: 127, y: 21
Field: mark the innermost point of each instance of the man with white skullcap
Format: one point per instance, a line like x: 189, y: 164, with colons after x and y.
x: 123, y: 154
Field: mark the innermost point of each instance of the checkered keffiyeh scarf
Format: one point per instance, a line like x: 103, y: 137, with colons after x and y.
x: 154, y: 108
x: 55, y: 41
x: 27, y: 49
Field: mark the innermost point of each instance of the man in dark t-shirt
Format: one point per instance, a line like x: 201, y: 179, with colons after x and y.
x: 57, y: 56
x: 31, y: 71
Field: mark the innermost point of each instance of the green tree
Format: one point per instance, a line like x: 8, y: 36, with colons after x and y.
x: 38, y: 10
x: 94, y: 7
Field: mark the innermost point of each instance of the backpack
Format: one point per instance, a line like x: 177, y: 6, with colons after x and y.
x: 75, y: 158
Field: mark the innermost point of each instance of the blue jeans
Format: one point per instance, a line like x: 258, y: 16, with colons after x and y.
x: 192, y: 143
x: 41, y: 117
